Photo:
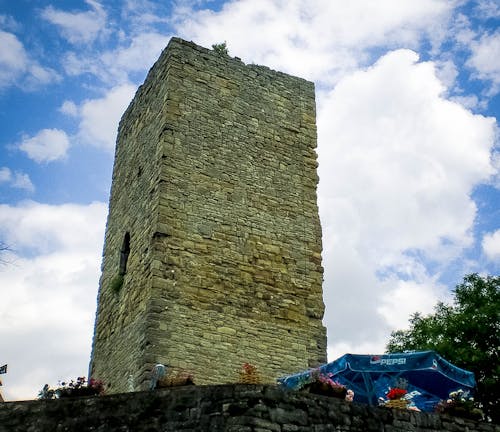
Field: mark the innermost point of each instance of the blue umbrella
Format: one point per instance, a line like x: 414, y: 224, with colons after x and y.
x: 427, y: 377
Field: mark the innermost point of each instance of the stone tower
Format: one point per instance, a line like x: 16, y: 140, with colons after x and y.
x: 212, y: 253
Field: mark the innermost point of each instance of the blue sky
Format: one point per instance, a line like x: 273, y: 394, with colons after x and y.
x: 408, y: 100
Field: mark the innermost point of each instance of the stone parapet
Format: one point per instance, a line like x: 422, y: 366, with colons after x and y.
x: 231, y: 408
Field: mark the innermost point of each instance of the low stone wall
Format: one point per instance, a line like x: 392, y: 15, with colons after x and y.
x: 243, y: 408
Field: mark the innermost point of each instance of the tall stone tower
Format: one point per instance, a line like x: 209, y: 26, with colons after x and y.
x: 212, y: 254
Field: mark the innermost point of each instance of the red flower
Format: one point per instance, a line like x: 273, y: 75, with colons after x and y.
x: 396, y: 393
x: 249, y: 368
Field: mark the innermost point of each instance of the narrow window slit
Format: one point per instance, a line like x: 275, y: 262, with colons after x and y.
x: 124, y: 253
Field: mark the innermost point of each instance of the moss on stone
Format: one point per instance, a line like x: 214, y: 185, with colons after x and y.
x: 116, y: 284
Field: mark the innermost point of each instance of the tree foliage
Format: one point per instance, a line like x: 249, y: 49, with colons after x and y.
x: 466, y: 333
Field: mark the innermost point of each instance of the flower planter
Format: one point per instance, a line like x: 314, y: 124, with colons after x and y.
x: 249, y: 374
x: 249, y: 378
x: 397, y: 403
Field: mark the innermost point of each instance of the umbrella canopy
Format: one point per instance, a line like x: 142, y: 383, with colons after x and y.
x: 427, y: 377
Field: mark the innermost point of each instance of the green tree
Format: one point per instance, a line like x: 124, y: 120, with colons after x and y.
x: 466, y: 333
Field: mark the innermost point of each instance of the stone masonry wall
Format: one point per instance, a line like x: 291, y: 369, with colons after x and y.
x: 215, y: 181
x: 120, y: 333
x: 231, y: 408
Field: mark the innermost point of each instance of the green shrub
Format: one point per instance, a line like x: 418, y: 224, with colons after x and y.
x: 220, y: 48
x: 116, y: 284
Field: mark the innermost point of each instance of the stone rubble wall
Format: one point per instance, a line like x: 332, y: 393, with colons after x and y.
x: 231, y: 408
x: 215, y: 180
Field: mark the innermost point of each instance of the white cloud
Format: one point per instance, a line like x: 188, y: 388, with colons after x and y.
x: 22, y: 181
x: 403, y: 298
x: 5, y: 175
x: 342, y: 348
x: 46, y: 146
x: 330, y: 37
x: 50, y: 303
x: 43, y: 228
x: 484, y: 59
x: 142, y: 52
x: 7, y: 22
x: 16, y: 68
x: 99, y: 118
x: 409, y: 132
x: 491, y: 245
x: 447, y: 72
x: 78, y: 27
x: 488, y: 9
x: 144, y: 13
x: 398, y: 163
x: 18, y: 179
x: 13, y: 58
x: 115, y: 66
x: 38, y: 75
x: 470, y: 102
x: 69, y: 108
x: 495, y: 160
x: 463, y: 30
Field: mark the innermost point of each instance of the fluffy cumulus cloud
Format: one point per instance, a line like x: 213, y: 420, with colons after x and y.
x: 114, y: 67
x: 22, y: 181
x: 401, y: 298
x: 488, y: 9
x: 17, y: 68
x: 398, y: 163
x: 99, y: 117
x: 69, y: 108
x: 78, y: 27
x: 5, y: 175
x: 329, y: 36
x: 46, y: 146
x: 16, y: 179
x: 140, y: 54
x: 52, y: 278
x: 484, y: 59
x: 13, y: 58
x: 9, y: 23
x: 144, y: 13
x: 491, y: 245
